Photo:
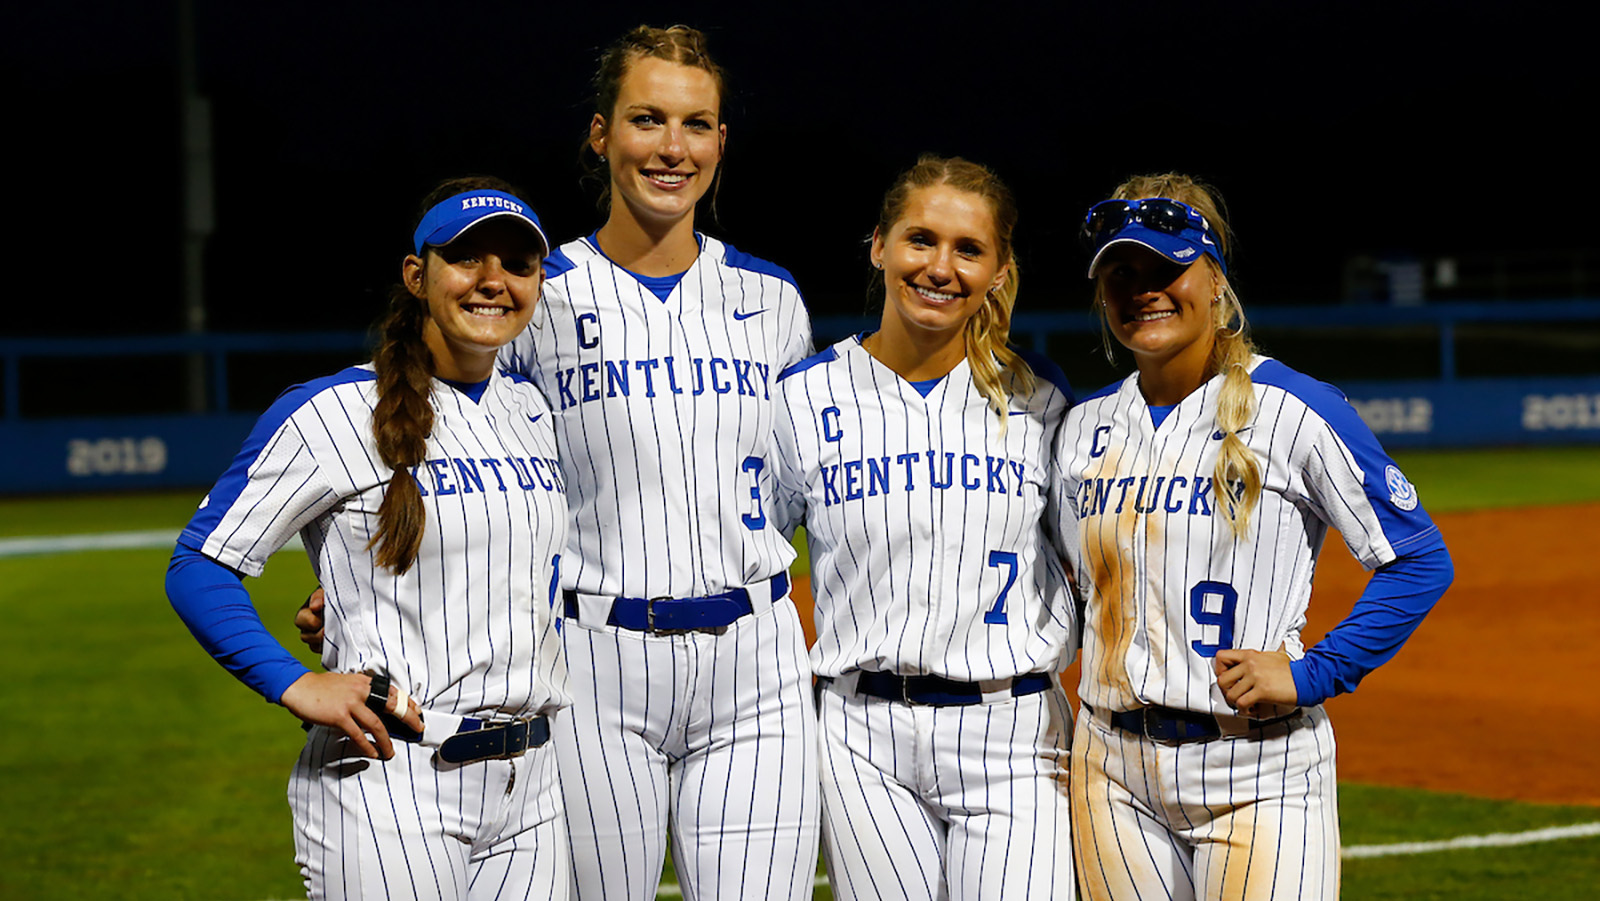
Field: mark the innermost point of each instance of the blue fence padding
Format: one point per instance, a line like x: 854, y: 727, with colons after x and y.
x: 66, y: 455
x: 191, y: 451
x: 1479, y: 412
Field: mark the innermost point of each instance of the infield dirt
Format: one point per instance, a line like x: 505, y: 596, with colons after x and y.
x: 1497, y: 695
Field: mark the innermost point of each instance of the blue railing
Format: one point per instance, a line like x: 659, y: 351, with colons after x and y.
x: 1037, y: 328
x: 1028, y: 328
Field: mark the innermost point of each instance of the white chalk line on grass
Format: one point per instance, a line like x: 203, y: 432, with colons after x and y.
x: 37, y: 545
x: 1493, y: 840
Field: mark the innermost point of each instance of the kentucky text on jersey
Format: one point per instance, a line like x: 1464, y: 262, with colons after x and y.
x: 589, y: 382
x: 446, y: 476
x: 872, y: 476
x: 1169, y: 494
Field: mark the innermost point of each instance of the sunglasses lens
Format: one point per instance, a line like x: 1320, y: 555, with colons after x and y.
x: 1164, y: 216
x: 1104, y: 219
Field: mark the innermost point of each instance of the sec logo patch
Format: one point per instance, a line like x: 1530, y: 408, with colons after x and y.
x: 1401, y: 492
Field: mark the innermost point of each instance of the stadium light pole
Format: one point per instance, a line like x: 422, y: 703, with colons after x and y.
x: 199, y: 218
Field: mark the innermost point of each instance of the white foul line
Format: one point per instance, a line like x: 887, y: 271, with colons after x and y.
x: 102, y: 541
x: 1493, y: 840
x: 34, y: 545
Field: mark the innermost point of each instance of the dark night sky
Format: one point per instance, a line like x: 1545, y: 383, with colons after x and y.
x: 1332, y: 129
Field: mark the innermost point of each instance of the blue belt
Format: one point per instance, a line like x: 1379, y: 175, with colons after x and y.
x: 1170, y: 724
x: 1167, y: 724
x: 937, y: 691
x: 714, y: 611
x: 479, y: 740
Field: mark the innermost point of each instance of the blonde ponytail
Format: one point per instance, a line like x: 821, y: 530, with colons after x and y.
x: 1236, y: 404
x: 997, y: 371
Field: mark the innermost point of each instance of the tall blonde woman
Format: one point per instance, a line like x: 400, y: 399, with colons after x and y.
x: 1198, y: 492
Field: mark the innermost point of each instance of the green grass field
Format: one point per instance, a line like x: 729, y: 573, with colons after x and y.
x: 134, y: 767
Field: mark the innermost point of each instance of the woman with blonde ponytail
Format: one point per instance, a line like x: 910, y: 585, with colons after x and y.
x: 426, y: 490
x: 916, y: 456
x: 1196, y: 495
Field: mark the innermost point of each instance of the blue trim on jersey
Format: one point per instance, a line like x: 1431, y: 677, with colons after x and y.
x: 1046, y: 368
x: 826, y: 355
x: 1158, y: 415
x: 1107, y: 391
x: 1408, y: 531
x: 660, y: 285
x: 231, y: 484
x: 473, y: 390
x: 738, y: 259
x: 558, y: 263
x: 1390, y: 608
x: 518, y: 377
x: 926, y: 386
x: 211, y: 600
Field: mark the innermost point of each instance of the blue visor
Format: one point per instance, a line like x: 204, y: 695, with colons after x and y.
x: 1175, y: 231
x: 450, y: 218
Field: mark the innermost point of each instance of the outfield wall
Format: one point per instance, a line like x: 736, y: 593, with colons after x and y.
x: 104, y: 453
x: 191, y: 451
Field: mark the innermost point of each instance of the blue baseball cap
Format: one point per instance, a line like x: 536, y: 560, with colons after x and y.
x: 451, y: 218
x: 1167, y: 227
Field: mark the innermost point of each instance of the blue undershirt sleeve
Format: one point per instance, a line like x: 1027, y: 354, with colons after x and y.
x: 1396, y: 599
x: 211, y: 600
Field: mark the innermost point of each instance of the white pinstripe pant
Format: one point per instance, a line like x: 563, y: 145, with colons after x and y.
x: 1235, y: 818
x: 414, y: 828
x: 710, y: 736
x: 961, y: 802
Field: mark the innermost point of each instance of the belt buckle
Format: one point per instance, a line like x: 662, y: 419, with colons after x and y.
x: 905, y: 692
x: 650, y: 617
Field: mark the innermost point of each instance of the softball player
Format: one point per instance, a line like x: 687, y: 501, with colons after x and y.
x: 426, y: 491
x: 917, y: 456
x: 658, y: 349
x: 1198, y: 492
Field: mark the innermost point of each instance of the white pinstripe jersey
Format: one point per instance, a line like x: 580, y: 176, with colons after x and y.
x: 927, y: 551
x: 1166, y: 585
x: 470, y: 627
x: 664, y: 416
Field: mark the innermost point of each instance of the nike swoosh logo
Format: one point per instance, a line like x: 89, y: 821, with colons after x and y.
x: 1218, y: 436
x: 535, y: 418
x: 741, y: 315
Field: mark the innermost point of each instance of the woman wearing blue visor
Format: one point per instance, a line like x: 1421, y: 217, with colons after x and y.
x: 426, y: 490
x: 1196, y: 495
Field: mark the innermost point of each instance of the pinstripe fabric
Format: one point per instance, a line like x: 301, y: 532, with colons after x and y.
x: 946, y: 802
x: 412, y: 828
x: 664, y: 416
x: 468, y: 630
x: 1241, y: 818
x: 1166, y: 586
x: 906, y: 502
x: 1148, y: 545
x: 928, y: 557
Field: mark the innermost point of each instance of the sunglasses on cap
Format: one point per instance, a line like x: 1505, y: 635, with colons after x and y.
x: 1169, y: 217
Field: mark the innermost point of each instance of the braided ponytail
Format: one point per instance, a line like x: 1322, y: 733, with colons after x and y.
x: 401, y: 423
x: 1236, y: 404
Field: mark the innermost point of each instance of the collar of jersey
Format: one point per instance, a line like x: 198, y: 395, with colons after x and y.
x: 661, y: 286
